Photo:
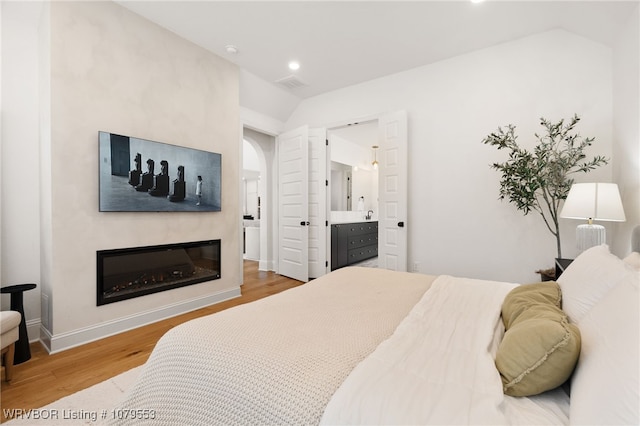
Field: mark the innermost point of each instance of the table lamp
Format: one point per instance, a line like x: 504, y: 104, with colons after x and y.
x: 593, y: 201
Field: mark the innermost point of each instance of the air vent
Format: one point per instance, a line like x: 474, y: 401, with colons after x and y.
x: 291, y: 82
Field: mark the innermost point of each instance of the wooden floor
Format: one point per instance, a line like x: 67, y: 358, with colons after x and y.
x: 46, y: 378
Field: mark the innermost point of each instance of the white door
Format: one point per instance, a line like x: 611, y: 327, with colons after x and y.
x: 392, y: 184
x: 293, y: 221
x: 318, y: 225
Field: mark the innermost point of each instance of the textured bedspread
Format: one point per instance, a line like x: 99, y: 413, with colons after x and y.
x: 275, y: 361
x: 437, y: 368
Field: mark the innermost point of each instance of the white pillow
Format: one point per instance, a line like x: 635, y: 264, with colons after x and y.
x: 605, y: 384
x: 588, y: 278
x: 634, y: 260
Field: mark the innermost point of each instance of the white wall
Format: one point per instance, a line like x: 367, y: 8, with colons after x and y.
x: 250, y: 179
x: 365, y: 184
x: 263, y: 97
x: 110, y: 70
x: 249, y: 157
x: 456, y: 223
x: 626, y: 136
x: 350, y: 153
x: 20, y: 180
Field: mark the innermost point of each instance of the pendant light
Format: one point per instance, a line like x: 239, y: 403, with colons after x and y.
x: 374, y: 163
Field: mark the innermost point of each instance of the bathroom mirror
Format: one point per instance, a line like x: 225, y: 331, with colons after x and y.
x: 353, y: 177
x: 341, y: 186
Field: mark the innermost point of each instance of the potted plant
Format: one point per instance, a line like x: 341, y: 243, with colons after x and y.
x: 539, y: 180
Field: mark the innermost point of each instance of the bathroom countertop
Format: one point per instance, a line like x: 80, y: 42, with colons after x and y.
x: 340, y: 222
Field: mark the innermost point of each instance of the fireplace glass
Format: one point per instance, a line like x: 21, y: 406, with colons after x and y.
x: 133, y: 272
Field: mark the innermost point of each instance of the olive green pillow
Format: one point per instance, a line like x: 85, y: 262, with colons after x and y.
x: 540, y: 348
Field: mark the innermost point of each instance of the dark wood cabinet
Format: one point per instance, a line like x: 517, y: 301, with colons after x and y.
x: 353, y: 242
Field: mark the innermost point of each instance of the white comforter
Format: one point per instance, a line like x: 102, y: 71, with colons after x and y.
x: 357, y: 346
x: 438, y: 366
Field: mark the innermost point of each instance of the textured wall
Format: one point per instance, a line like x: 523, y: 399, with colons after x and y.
x: 114, y: 71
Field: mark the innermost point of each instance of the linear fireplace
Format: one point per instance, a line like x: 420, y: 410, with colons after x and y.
x: 133, y: 272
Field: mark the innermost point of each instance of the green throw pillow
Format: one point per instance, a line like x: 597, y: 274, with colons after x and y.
x: 540, y: 348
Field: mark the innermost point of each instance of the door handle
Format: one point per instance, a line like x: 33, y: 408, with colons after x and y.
x: 400, y: 224
x: 303, y: 223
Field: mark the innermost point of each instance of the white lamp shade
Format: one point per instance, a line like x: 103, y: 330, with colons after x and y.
x: 597, y: 201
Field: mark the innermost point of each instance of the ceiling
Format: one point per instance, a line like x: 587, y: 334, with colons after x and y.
x: 341, y: 43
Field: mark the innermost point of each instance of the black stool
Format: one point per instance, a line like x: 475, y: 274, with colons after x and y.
x: 23, y: 352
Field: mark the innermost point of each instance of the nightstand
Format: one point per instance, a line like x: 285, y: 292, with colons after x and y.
x: 561, y: 265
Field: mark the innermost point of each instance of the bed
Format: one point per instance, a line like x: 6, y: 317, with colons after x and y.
x: 371, y: 346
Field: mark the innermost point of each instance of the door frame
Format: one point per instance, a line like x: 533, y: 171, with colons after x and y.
x: 272, y: 127
x: 319, y: 236
x: 260, y: 123
x: 265, y: 193
x: 378, y: 119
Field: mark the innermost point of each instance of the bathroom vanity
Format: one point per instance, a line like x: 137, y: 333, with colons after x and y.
x: 353, y: 242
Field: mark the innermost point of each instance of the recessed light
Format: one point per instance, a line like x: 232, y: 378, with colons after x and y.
x: 230, y: 48
x: 293, y: 65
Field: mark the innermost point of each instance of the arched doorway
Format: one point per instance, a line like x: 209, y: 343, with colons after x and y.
x: 251, y: 201
x: 257, y: 196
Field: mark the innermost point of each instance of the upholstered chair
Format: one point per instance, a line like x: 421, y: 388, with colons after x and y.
x: 9, y: 322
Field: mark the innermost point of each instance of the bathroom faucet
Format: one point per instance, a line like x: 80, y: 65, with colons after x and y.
x: 369, y: 214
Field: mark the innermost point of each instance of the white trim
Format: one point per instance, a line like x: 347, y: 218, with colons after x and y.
x: 270, y: 126
x: 259, y: 122
x: 63, y: 341
x: 33, y: 329
x: 265, y: 265
x: 343, y: 123
x: 240, y: 265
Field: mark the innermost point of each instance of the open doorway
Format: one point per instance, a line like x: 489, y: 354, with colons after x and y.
x: 257, y: 198
x: 251, y: 202
x: 391, y: 206
x: 354, y: 192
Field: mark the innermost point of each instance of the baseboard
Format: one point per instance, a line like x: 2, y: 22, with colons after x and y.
x: 33, y: 329
x: 265, y: 265
x: 63, y: 341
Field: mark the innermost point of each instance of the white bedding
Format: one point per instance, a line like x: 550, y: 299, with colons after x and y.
x: 359, y: 346
x: 437, y: 368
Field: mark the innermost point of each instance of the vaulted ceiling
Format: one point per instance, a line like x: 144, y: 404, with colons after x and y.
x: 340, y: 43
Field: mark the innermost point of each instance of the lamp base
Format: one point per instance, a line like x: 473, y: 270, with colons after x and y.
x: 588, y: 236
